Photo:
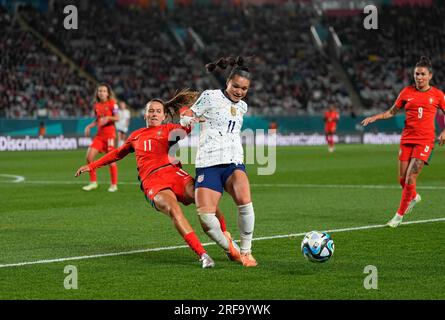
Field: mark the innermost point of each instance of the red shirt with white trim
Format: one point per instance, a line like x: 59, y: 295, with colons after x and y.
x: 420, y: 108
x: 104, y: 109
x: 151, y: 147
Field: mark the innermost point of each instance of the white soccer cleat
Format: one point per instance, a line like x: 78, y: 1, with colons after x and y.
x: 413, y: 202
x: 395, y: 221
x: 112, y: 188
x: 206, y: 261
x: 90, y: 186
x: 331, y: 149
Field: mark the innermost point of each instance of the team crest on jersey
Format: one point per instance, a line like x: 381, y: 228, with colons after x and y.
x: 233, y: 110
x: 427, y: 148
x: 200, y: 178
x: 159, y: 132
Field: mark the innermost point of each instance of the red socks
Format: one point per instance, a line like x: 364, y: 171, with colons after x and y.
x: 402, y: 182
x: 194, y: 243
x: 93, y: 176
x: 222, y: 222
x: 113, y: 173
x: 408, y: 193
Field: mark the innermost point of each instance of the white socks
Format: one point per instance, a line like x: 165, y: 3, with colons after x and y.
x: 212, y: 228
x: 246, y: 222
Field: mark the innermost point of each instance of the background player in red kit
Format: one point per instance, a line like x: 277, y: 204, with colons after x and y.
x: 106, y: 112
x: 417, y: 142
x: 331, y: 117
x: 163, y: 181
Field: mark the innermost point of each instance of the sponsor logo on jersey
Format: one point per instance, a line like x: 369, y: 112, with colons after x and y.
x: 431, y: 100
x: 200, y: 178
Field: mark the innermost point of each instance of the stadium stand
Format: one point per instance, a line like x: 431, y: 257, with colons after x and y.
x: 33, y: 81
x: 380, y: 62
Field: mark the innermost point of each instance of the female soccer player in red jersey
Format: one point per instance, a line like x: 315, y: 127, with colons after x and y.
x: 106, y: 111
x: 163, y: 181
x: 420, y: 102
x: 331, y: 117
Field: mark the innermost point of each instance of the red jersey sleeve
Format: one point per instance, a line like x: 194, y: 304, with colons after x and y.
x: 115, y: 107
x: 115, y: 155
x: 441, y: 98
x: 401, y: 99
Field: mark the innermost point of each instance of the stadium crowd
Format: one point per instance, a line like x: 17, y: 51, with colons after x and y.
x: 146, y: 53
x: 136, y: 52
x: 380, y: 62
x: 35, y: 82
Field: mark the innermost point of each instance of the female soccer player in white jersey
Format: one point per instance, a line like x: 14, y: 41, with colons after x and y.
x: 219, y: 159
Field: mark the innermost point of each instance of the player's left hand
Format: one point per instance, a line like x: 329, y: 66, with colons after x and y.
x: 441, y: 138
x: 82, y: 170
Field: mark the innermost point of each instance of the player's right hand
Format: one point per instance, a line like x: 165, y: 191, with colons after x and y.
x: 82, y: 170
x: 87, y: 132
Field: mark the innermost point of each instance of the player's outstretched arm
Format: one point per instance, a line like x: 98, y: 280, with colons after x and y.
x: 384, y: 115
x: 89, y: 127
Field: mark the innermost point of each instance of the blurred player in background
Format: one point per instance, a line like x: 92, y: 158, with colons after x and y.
x: 220, y: 156
x: 420, y: 102
x: 106, y: 112
x: 331, y: 117
x: 123, y: 123
x: 163, y: 181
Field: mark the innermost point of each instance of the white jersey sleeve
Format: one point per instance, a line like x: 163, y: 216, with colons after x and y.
x: 202, y: 104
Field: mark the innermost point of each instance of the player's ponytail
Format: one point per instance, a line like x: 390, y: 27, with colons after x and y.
x: 181, y: 99
x: 237, y: 64
x: 425, y: 62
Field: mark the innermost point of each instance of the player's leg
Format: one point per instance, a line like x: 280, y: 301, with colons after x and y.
x: 237, y: 185
x: 403, y: 168
x: 409, y: 194
x: 166, y: 202
x: 112, y: 166
x: 189, y: 195
x: 90, y: 156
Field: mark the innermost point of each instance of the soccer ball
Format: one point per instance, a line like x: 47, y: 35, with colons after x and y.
x: 317, y: 246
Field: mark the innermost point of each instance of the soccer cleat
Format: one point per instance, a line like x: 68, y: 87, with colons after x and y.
x: 234, y: 251
x: 395, y: 221
x: 206, y: 261
x: 90, y: 186
x: 413, y: 202
x: 248, y: 260
x: 112, y: 188
x: 331, y: 149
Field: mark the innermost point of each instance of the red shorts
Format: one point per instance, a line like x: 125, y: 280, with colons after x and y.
x: 103, y: 144
x: 170, y: 177
x: 418, y: 151
x: 330, y: 129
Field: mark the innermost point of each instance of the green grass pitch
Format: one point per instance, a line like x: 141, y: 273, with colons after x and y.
x: 48, y: 216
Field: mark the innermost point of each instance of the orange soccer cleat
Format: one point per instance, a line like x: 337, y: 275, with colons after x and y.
x: 248, y: 260
x: 234, y: 252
